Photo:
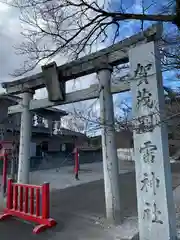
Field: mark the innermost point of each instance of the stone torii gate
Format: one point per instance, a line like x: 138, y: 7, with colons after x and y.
x: 153, y: 176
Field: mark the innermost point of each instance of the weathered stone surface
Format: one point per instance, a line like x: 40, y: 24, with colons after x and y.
x: 153, y: 175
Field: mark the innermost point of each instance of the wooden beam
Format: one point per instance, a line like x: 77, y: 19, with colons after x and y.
x: 114, y: 55
x: 72, y: 97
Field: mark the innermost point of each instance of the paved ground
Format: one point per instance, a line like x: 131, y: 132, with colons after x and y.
x: 79, y: 211
x: 63, y: 177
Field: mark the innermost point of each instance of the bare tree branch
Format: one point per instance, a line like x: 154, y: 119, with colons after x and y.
x: 74, y: 27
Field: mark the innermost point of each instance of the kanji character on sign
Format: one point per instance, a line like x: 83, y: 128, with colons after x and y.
x: 148, y: 151
x: 144, y: 97
x: 150, y: 182
x: 142, y: 71
x: 144, y: 124
x: 151, y: 212
x: 156, y: 215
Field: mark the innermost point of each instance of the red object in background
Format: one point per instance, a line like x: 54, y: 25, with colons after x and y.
x: 5, y: 149
x: 76, y: 168
x: 21, y: 199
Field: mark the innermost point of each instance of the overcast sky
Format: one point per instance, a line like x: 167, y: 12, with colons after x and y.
x: 9, y: 35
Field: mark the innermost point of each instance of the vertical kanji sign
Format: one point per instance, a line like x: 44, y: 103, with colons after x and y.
x: 156, y: 211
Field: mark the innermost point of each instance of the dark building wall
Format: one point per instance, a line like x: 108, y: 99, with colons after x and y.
x: 56, y: 160
x: 124, y: 139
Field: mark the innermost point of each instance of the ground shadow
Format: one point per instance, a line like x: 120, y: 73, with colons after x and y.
x: 89, y: 198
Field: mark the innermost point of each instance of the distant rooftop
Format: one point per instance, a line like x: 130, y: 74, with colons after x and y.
x: 48, y: 112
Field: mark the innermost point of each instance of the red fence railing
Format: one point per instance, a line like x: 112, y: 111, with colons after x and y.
x: 30, y: 203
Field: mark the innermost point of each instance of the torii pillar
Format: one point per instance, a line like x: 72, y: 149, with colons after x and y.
x: 109, y: 151
x: 25, y: 138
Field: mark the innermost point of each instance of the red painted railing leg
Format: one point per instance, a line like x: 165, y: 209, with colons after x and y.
x: 37, y: 202
x: 26, y: 200
x: 45, y: 210
x: 15, y: 197
x: 9, y: 194
x: 45, y: 201
x: 32, y: 201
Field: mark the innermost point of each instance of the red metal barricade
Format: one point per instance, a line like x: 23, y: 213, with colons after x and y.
x: 30, y: 203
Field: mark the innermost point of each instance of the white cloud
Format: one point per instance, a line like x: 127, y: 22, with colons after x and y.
x: 10, y: 28
x: 3, y: 10
x: 9, y: 36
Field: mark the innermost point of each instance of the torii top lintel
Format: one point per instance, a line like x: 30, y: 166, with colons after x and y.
x: 114, y: 55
